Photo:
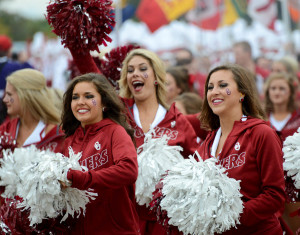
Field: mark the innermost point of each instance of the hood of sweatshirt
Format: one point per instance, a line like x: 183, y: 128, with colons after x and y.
x: 239, y: 128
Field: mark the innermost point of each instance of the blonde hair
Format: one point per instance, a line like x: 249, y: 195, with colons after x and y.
x: 34, y: 95
x: 158, y: 69
x: 290, y: 64
x: 57, y: 97
x: 292, y: 84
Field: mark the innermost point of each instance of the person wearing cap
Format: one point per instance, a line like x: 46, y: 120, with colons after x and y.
x: 7, y: 67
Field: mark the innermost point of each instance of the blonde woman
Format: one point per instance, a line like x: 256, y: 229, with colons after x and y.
x: 36, y: 118
x: 143, y: 90
x: 244, y: 143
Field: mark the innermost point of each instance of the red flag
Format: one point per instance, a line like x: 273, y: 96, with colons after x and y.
x: 294, y: 9
x: 156, y: 13
x: 150, y: 12
x: 207, y: 14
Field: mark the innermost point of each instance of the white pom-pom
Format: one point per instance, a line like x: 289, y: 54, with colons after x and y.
x: 154, y: 159
x: 37, y: 183
x: 9, y: 175
x: 200, y: 198
x: 291, y: 155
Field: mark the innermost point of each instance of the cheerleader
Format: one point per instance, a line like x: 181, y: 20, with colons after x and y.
x: 246, y: 146
x: 96, y: 126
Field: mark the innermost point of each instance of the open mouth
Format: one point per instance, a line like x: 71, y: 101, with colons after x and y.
x: 137, y: 85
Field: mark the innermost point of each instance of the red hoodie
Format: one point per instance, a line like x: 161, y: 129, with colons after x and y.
x: 181, y: 133
x: 291, y: 126
x: 174, y: 125
x: 252, y: 153
x: 110, y: 156
x: 54, y: 140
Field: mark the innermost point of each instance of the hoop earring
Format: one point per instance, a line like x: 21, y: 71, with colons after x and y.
x: 155, y: 83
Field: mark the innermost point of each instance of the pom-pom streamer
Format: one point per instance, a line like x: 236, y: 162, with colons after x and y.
x: 111, y: 64
x: 34, y: 176
x: 155, y: 157
x: 291, y: 155
x: 200, y: 198
x: 82, y: 25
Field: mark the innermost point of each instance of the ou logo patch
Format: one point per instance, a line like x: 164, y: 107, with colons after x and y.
x: 97, y: 145
x: 237, y: 146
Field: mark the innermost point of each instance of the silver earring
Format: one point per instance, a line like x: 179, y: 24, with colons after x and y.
x: 103, y: 109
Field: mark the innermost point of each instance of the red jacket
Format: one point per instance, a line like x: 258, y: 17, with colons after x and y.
x: 110, y: 156
x: 53, y: 141
x: 252, y: 153
x: 181, y: 133
x: 291, y: 126
x: 195, y: 122
x: 174, y: 125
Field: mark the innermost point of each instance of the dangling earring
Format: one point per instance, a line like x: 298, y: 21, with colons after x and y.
x: 241, y: 99
x: 155, y: 83
x: 103, y: 109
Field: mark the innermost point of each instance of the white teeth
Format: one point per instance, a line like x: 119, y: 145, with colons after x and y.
x: 137, y: 83
x: 82, y: 110
x: 217, y: 101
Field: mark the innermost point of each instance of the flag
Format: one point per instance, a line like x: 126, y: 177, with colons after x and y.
x: 128, y: 12
x: 128, y: 8
x: 156, y: 13
x: 264, y: 11
x: 241, y: 8
x: 207, y: 14
x: 230, y: 14
x: 294, y: 9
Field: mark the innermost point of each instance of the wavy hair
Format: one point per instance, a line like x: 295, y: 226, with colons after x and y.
x: 34, y: 95
x: 114, y: 107
x: 159, y: 71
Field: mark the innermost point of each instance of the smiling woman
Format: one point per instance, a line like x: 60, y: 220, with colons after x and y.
x: 143, y: 91
x: 245, y: 145
x: 95, y: 124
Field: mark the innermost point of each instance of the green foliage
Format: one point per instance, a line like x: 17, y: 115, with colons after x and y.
x: 22, y: 29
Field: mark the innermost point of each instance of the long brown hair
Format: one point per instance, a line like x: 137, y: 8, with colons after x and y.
x: 114, y: 107
x: 246, y: 85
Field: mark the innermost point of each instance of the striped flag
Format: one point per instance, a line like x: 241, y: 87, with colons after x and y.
x: 156, y: 13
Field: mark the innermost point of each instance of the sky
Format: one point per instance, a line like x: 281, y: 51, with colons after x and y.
x: 32, y: 9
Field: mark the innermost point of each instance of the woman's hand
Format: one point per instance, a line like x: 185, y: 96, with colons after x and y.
x: 65, y: 184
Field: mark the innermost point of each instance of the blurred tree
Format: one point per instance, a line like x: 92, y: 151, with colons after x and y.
x: 20, y: 28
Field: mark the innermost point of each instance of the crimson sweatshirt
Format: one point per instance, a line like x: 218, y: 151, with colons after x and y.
x: 110, y: 156
x: 174, y: 125
x: 252, y: 153
x: 181, y: 133
x: 54, y: 140
x: 291, y: 126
